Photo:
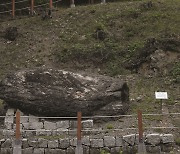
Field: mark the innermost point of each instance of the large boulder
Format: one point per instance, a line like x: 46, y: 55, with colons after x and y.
x: 52, y: 92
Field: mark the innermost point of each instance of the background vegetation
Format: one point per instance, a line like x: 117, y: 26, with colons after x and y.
x: 113, y: 39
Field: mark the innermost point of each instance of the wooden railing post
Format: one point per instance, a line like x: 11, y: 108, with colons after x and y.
x: 32, y: 7
x: 18, y: 134
x: 50, y: 8
x: 141, y: 145
x: 79, y: 149
x: 79, y: 125
x: 50, y: 4
x: 17, y: 143
x: 13, y: 9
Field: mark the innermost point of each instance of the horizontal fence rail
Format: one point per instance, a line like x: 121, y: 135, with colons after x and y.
x: 24, y: 8
x: 49, y: 2
x: 93, y: 117
x: 15, y: 2
x: 92, y: 130
x: 99, y: 116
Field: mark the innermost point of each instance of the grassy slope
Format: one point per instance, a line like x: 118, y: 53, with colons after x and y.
x: 70, y: 36
x: 68, y: 40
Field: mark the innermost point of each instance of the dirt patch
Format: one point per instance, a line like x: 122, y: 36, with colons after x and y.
x: 157, y: 57
x: 159, y: 62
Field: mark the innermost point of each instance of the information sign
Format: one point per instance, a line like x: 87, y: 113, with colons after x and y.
x: 161, y: 95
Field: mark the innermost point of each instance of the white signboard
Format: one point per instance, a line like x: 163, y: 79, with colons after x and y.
x: 161, y: 95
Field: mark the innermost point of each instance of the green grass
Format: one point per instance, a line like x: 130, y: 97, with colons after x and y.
x: 175, y: 72
x: 70, y: 36
x: 177, y: 141
x: 102, y: 151
x: 1, y: 107
x: 1, y: 103
x: 159, y: 130
x: 153, y: 118
x: 110, y: 126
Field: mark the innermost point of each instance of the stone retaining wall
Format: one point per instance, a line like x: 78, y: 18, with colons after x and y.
x: 155, y: 144
x: 47, y: 128
x: 40, y: 136
x: 31, y: 125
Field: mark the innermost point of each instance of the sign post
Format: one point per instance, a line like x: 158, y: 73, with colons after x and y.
x: 140, y: 126
x: 161, y: 96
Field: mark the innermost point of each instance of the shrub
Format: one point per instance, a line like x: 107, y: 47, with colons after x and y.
x: 110, y: 126
x: 177, y: 141
x: 175, y: 72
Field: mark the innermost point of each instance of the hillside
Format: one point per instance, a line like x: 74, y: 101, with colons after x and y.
x: 137, y: 41
x: 108, y: 38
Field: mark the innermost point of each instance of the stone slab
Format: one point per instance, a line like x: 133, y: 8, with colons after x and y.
x: 153, y: 149
x: 96, y: 143
x: 49, y: 125
x: 36, y: 125
x: 10, y: 112
x: 53, y: 144
x: 6, y: 151
x: 27, y: 150
x: 63, y: 124
x: 167, y: 138
x: 129, y: 139
x: 42, y: 143
x: 33, y: 119
x: 119, y: 141
x: 87, y: 124
x: 64, y: 143
x: 153, y: 139
x: 38, y: 151
x: 109, y: 141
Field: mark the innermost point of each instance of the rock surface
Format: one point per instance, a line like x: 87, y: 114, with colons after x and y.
x: 11, y: 33
x: 51, y: 92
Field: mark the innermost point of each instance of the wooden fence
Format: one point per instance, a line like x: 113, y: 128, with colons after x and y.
x: 138, y: 117
x: 32, y: 6
x: 79, y: 149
